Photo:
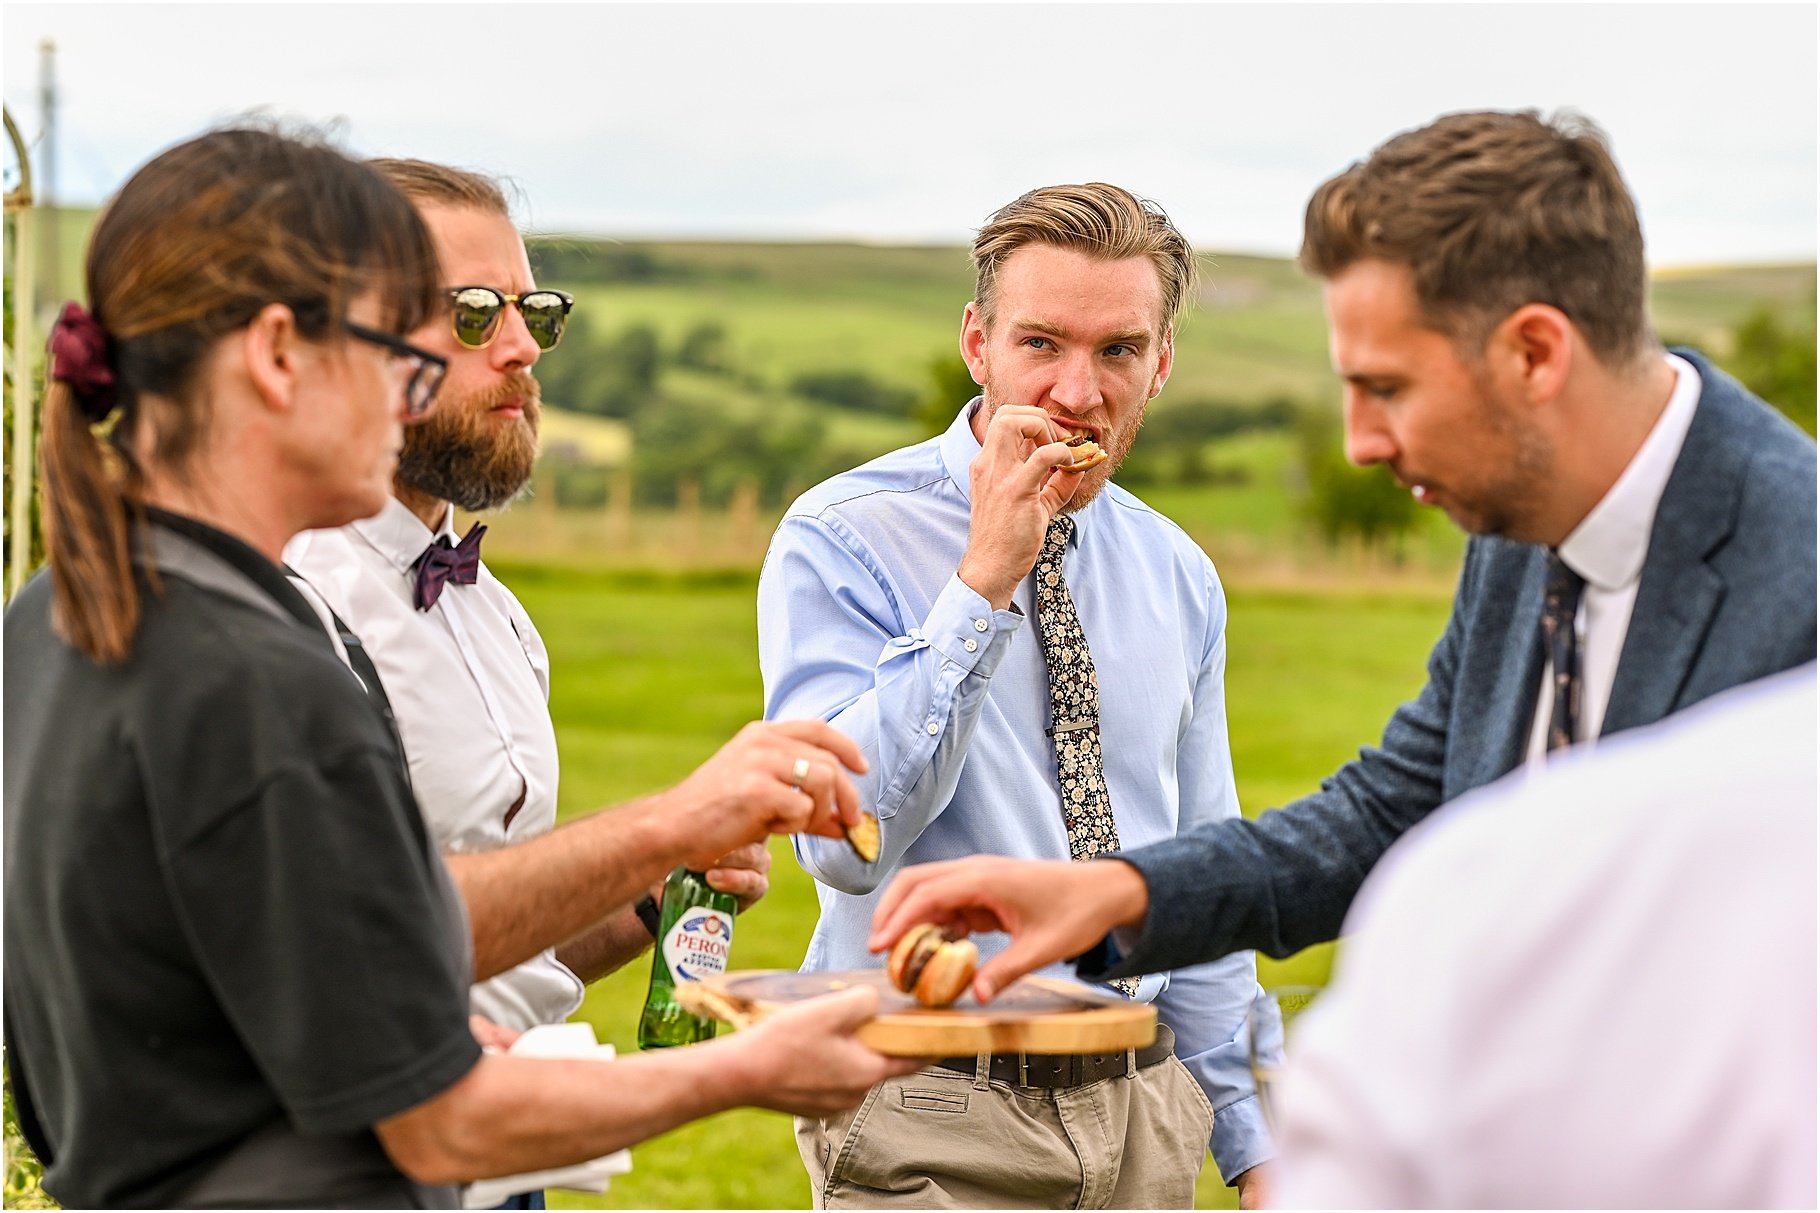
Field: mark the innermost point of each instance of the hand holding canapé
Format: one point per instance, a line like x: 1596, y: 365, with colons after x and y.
x: 1017, y: 484
x: 1052, y: 909
x: 784, y: 777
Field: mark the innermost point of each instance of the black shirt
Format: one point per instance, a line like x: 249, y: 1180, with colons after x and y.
x: 224, y: 920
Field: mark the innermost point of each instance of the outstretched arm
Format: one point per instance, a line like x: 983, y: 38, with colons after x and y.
x: 510, y: 1115
x: 545, y: 892
x: 1276, y: 884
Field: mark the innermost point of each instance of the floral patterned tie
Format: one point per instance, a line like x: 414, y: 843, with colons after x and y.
x: 1560, y: 601
x: 1074, y: 695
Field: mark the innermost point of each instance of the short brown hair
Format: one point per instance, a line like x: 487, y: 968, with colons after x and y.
x: 1100, y: 220
x: 425, y: 181
x: 195, y: 244
x: 1491, y: 211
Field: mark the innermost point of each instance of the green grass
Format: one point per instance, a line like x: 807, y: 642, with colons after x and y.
x: 654, y: 672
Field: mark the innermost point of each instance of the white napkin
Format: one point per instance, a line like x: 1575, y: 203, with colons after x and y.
x: 554, y: 1040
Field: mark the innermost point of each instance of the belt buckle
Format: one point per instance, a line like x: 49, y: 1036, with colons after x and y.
x: 1023, y: 1069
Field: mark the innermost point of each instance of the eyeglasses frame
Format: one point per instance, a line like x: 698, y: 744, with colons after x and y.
x: 511, y: 300
x: 426, y: 365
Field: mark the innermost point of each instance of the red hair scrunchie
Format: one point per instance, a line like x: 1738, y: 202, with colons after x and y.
x: 81, y: 359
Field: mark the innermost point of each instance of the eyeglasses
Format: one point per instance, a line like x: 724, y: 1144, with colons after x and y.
x: 477, y: 310
x: 427, y: 369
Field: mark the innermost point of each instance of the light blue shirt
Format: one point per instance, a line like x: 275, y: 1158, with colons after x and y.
x: 862, y: 622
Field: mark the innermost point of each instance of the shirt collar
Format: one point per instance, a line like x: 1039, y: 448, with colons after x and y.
x: 1609, y: 545
x: 242, y: 558
x: 960, y: 448
x: 399, y: 535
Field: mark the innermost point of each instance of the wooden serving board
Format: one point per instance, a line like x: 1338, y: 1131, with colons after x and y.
x: 1034, y: 1015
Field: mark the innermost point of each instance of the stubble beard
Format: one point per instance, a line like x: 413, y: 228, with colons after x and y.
x: 1117, y: 444
x: 461, y: 454
x: 1513, y: 498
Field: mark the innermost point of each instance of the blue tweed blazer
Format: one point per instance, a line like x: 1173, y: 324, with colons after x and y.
x: 1726, y: 597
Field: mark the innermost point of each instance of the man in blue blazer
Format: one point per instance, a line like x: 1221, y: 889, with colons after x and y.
x: 1643, y: 538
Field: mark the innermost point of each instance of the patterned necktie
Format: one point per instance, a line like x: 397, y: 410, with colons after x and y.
x: 1560, y: 602
x: 443, y: 562
x: 1074, y: 696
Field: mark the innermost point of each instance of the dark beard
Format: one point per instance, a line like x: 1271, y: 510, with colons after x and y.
x: 456, y: 454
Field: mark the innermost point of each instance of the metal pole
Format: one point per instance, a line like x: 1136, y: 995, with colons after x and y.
x: 46, y: 199
x: 25, y: 356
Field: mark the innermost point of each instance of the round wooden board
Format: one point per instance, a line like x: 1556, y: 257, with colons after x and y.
x: 1035, y: 1015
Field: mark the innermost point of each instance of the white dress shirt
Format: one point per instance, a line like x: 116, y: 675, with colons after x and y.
x: 1608, y: 549
x: 469, y: 681
x: 1591, y: 988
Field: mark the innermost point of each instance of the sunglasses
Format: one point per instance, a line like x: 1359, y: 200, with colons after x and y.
x: 427, y: 369
x: 477, y: 310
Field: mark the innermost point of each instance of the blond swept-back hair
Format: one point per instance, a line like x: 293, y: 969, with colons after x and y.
x: 1490, y: 211
x: 1100, y: 220
x: 427, y: 181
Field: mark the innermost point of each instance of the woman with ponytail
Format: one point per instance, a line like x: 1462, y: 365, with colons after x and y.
x: 236, y: 970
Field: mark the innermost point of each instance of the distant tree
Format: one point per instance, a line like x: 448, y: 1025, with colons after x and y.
x: 570, y: 259
x: 704, y: 348
x: 697, y: 440
x: 1777, y: 363
x: 633, y: 360
x: 1344, y: 500
x: 1172, y: 448
x: 856, y: 390
x: 613, y: 376
x: 570, y: 374
x: 950, y: 386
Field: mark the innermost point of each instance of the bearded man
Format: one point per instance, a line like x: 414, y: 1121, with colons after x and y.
x: 947, y: 606
x: 468, y: 677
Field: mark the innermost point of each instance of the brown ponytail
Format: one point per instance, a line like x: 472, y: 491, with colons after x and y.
x: 86, y: 533
x: 193, y: 246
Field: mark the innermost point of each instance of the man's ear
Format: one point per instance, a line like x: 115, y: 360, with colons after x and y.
x: 271, y: 346
x: 1164, y: 364
x: 973, y: 341
x: 1535, y: 346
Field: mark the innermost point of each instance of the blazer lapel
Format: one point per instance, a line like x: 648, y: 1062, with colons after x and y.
x: 1679, y: 591
x: 1509, y: 706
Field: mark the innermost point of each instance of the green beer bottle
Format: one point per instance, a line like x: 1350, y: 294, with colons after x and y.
x: 694, y: 934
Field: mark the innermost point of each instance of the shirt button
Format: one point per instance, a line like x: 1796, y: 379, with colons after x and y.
x: 972, y: 644
x: 933, y: 728
x: 979, y: 625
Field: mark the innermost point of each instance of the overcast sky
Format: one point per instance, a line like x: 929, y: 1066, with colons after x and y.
x: 910, y: 123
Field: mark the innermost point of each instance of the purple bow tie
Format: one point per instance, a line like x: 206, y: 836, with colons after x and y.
x: 443, y: 562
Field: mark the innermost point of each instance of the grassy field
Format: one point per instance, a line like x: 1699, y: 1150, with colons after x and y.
x: 653, y: 672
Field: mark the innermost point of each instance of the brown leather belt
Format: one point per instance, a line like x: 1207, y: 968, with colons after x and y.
x: 1062, y: 1069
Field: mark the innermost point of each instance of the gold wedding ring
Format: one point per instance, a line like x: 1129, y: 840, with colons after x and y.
x: 798, y: 773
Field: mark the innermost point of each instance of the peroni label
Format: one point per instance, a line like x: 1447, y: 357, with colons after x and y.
x: 696, y: 946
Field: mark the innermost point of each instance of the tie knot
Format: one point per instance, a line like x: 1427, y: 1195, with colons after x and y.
x: 1056, y: 538
x: 1563, y: 583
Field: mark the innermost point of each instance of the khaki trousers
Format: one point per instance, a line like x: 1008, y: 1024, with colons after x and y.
x: 941, y: 1140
